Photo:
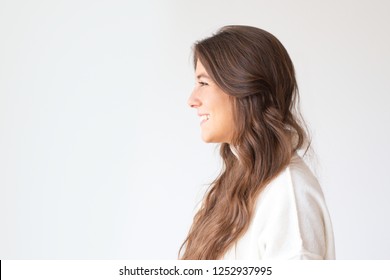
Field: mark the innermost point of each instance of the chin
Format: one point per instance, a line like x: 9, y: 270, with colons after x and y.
x: 210, y: 140
x: 207, y: 139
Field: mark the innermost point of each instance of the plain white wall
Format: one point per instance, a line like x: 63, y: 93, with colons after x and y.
x: 100, y: 157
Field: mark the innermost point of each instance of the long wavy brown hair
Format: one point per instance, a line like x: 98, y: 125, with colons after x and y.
x: 255, y: 70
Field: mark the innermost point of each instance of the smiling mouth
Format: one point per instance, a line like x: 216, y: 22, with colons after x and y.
x: 204, y: 118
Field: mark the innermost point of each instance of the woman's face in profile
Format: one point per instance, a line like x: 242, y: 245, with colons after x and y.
x: 214, y: 108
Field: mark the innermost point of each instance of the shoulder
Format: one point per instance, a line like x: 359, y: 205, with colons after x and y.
x: 295, y: 185
x: 291, y: 216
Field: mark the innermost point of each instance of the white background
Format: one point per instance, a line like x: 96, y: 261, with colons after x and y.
x: 100, y: 156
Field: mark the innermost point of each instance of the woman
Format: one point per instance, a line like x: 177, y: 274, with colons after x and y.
x: 265, y: 204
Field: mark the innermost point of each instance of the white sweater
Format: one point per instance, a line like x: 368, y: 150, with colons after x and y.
x: 291, y: 220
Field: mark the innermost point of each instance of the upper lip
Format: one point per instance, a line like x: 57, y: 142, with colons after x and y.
x: 202, y: 114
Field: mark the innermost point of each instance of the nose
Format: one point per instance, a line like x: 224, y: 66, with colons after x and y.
x: 193, y: 100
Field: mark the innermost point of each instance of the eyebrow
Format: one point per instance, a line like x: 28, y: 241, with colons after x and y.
x: 203, y: 75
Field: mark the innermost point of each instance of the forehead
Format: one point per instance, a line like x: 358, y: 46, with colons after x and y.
x: 200, y: 71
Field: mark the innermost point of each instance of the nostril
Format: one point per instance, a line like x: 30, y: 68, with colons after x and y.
x: 192, y: 103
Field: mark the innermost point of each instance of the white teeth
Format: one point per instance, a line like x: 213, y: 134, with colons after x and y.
x: 204, y: 117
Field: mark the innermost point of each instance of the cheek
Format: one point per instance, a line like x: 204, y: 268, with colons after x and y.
x: 225, y: 117
x: 228, y: 111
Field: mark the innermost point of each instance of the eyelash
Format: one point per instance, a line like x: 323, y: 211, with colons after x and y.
x: 203, y: 84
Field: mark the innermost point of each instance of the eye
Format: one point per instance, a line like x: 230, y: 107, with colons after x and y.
x: 203, y: 84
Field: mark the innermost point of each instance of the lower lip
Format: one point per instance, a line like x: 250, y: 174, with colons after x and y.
x: 202, y: 122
